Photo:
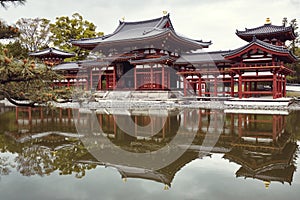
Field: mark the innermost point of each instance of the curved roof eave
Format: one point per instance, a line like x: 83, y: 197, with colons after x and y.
x: 168, y: 32
x: 121, y: 25
x: 266, y: 29
x: 51, y: 51
x: 269, y: 47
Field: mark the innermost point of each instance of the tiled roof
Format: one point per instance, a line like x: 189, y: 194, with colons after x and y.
x: 203, y: 57
x: 67, y: 66
x: 93, y: 63
x: 138, y: 31
x: 152, y: 60
x: 51, y: 52
x: 268, y: 46
x: 267, y: 29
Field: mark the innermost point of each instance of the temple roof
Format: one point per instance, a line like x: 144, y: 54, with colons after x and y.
x: 52, y: 52
x: 67, y: 66
x: 282, y: 175
x: 268, y: 31
x: 203, y: 57
x: 161, y: 59
x: 280, y: 51
x: 141, y: 34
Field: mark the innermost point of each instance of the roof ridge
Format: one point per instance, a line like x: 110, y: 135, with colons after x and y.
x: 83, y: 39
x: 144, y: 21
x: 265, y: 25
x: 50, y: 49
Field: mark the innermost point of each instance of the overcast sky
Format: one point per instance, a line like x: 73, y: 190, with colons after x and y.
x: 215, y: 20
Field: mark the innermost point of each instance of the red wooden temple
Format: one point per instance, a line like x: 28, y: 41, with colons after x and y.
x: 150, y: 55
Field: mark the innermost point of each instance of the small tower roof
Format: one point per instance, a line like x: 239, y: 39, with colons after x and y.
x: 268, y: 30
x: 51, y: 52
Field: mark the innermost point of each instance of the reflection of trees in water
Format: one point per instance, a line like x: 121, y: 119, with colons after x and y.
x: 34, y: 159
x: 41, y: 156
x: 40, y: 160
x: 293, y: 121
x: 5, y: 166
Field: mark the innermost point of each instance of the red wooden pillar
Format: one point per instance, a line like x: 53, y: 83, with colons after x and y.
x: 274, y: 85
x: 240, y: 92
x: 232, y: 85
x: 184, y: 86
x: 99, y: 82
x: 280, y: 85
x: 284, y: 86
x: 249, y: 88
x: 245, y: 89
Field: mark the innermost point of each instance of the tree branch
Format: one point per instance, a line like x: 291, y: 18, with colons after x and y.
x: 7, y: 96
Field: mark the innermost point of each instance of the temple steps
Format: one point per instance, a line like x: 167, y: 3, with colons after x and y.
x: 138, y: 95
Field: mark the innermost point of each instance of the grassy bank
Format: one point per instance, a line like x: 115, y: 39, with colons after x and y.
x: 293, y: 94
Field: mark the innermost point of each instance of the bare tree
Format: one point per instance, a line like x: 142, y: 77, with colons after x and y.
x: 34, y: 33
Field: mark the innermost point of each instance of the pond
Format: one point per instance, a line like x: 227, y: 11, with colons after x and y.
x: 147, y: 154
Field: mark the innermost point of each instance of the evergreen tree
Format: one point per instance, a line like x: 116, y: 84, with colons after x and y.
x: 66, y: 29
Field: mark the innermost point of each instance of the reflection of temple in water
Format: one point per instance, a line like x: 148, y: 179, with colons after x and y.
x: 44, y: 125
x: 258, y: 143
x: 264, y: 149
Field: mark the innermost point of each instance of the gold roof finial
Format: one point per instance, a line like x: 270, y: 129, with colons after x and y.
x: 267, y: 184
x: 166, y: 187
x: 165, y: 12
x: 123, y: 18
x: 268, y: 21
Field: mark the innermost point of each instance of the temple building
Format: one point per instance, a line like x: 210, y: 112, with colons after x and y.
x: 51, y: 56
x: 138, y: 56
x: 151, y: 56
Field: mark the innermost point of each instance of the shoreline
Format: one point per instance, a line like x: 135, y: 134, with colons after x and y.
x: 145, y: 104
x: 166, y: 104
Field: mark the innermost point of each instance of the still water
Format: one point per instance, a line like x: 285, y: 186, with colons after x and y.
x: 147, y: 154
